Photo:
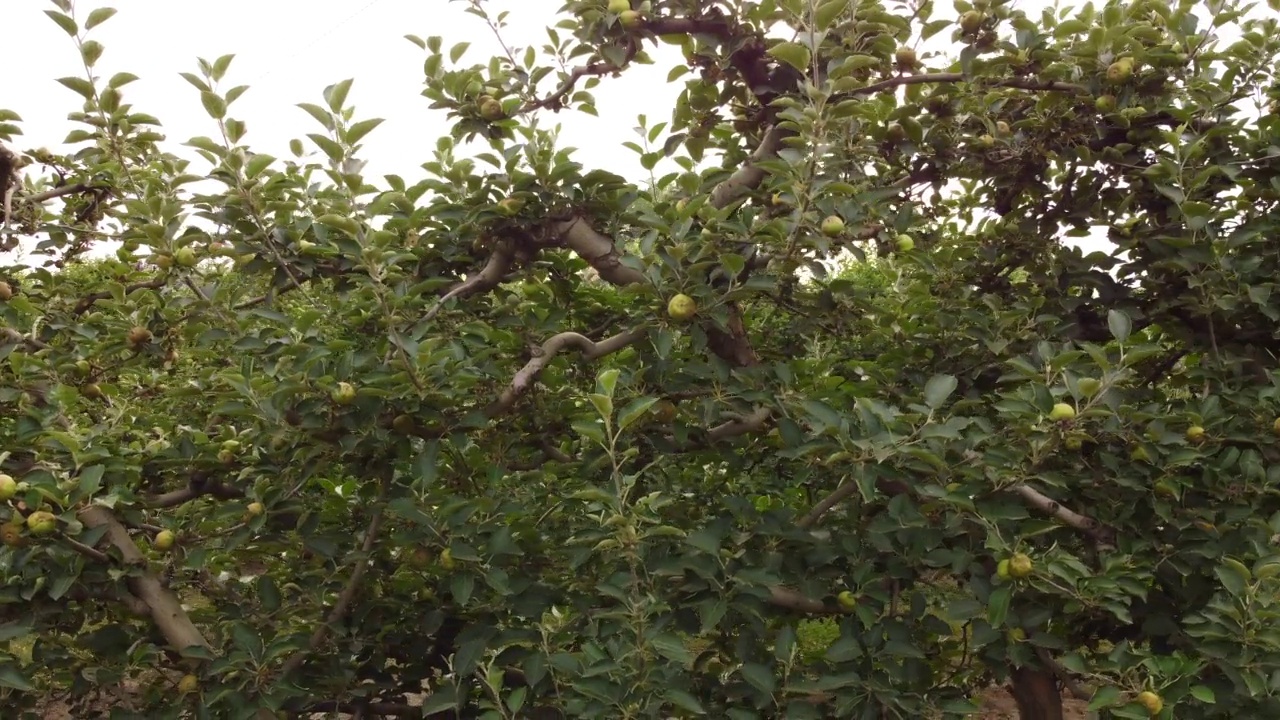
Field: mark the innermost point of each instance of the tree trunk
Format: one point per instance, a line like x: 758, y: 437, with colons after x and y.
x: 1037, y: 695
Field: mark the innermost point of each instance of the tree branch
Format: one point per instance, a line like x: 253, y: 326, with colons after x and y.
x: 165, y: 609
x: 348, y: 594
x: 200, y: 484
x: 590, y: 351
x: 1049, y: 506
x: 487, y: 279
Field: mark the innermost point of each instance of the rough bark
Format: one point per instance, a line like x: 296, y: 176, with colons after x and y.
x: 1036, y: 693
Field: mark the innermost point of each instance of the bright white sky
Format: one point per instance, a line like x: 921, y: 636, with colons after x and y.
x: 287, y: 51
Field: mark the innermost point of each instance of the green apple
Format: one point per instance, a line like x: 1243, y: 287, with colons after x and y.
x: 344, y: 394
x: 1061, y: 412
x: 185, y: 257
x: 906, y: 243
x: 847, y: 600
x: 682, y: 307
x: 42, y: 522
x: 8, y: 487
x: 832, y: 226
x: 1020, y: 565
x: 164, y: 540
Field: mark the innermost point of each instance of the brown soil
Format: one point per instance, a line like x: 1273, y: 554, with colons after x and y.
x: 998, y: 704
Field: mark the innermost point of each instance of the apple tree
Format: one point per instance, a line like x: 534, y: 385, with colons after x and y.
x: 831, y: 418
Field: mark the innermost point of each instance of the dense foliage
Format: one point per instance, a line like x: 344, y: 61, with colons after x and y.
x: 312, y: 441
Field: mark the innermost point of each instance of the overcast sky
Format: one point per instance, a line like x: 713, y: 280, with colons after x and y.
x: 287, y: 51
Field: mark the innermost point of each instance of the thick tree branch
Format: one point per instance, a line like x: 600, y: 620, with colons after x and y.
x: 487, y: 279
x: 165, y: 609
x: 1049, y: 506
x: 199, y: 485
x: 590, y: 350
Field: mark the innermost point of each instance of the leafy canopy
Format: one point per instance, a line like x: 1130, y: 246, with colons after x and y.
x: 437, y: 446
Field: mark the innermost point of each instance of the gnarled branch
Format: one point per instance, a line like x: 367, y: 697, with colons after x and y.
x: 1034, y: 498
x: 165, y: 609
x: 590, y: 350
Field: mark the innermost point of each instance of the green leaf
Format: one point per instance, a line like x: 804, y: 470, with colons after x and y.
x: 635, y: 410
x: 685, y: 701
x: 336, y: 94
x: 358, y: 130
x: 81, y: 86
x: 214, y: 105
x: 793, y: 54
x: 828, y: 12
x: 759, y: 677
x: 1203, y: 694
x: 604, y: 407
x: 938, y: 389
x: 91, y: 480
x: 998, y: 605
x: 98, y: 16
x: 607, y: 381
x: 11, y: 677
x: 1106, y: 696
x: 1119, y: 324
x: 65, y: 22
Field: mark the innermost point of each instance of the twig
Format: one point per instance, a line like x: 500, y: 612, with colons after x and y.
x: 348, y: 594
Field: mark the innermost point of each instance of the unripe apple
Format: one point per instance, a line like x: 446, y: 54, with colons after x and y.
x: 403, y: 424
x: 1105, y: 104
x: 186, y: 257
x: 1151, y: 702
x: 164, y: 262
x: 630, y: 19
x: 847, y: 600
x: 91, y: 391
x: 1195, y: 433
x: 1120, y: 71
x: 139, y: 336
x: 164, y: 540
x: 42, y: 522
x: 1002, y: 568
x: 446, y: 559
x: 905, y: 58
x: 682, y: 307
x: 1061, y: 412
x: 6, y: 291
x: 906, y: 243
x: 617, y: 7
x: 832, y: 226
x: 11, y: 533
x: 8, y: 487
x: 188, y: 684
x: 1002, y: 127
x: 344, y: 394
x: 1020, y: 565
x: 226, y: 457
x: 255, y: 509
x: 510, y: 206
x: 971, y: 21
x: 895, y: 133
x: 491, y: 110
x: 1089, y: 386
